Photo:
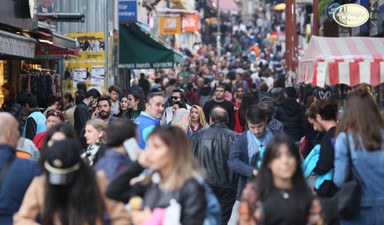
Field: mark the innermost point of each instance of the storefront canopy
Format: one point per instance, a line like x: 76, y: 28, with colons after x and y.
x: 349, y: 60
x: 226, y: 5
x: 141, y: 49
x: 16, y: 46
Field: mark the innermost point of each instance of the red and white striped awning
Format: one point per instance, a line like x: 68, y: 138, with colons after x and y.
x: 349, y: 60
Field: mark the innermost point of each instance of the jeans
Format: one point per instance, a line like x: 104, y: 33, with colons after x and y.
x: 367, y: 215
x: 227, y: 198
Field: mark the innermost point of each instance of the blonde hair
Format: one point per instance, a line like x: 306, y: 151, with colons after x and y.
x: 200, y: 112
x: 183, y: 163
x: 99, y: 125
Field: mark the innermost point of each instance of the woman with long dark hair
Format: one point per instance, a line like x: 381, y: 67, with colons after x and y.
x: 363, y: 125
x: 280, y: 194
x: 131, y: 106
x: 69, y: 192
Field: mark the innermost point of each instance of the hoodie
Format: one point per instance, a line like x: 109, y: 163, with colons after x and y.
x: 291, y: 114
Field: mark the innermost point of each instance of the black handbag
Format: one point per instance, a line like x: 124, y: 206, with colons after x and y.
x: 349, y: 196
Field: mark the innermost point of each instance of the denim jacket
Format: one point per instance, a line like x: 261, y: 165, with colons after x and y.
x: 368, y: 165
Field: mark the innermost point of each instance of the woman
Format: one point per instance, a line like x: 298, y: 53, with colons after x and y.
x: 175, y: 177
x: 135, y: 105
x: 280, y: 194
x: 69, y: 192
x: 95, y: 137
x: 10, y: 105
x: 123, y: 108
x: 197, y: 118
x: 363, y: 125
x: 178, y: 105
x: 53, y: 117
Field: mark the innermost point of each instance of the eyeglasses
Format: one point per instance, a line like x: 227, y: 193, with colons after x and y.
x: 174, y: 98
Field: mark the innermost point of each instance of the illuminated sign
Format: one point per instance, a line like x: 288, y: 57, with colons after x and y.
x: 351, y: 15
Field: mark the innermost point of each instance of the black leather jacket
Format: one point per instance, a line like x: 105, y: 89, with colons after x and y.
x: 191, y: 196
x: 211, y: 148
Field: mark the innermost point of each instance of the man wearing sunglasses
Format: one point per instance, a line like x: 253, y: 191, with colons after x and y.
x: 177, y: 96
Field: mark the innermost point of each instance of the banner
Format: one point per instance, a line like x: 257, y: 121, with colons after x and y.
x: 89, y: 66
x: 191, y: 23
x: 170, y: 25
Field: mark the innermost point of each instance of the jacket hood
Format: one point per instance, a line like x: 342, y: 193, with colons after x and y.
x: 292, y: 107
x: 205, y: 91
x: 277, y: 90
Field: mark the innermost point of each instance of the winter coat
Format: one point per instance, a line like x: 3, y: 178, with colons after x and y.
x: 291, y: 114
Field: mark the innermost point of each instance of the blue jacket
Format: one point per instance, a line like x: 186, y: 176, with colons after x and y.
x: 15, y: 184
x: 309, y: 165
x: 39, y: 119
x: 368, y: 165
x: 112, y: 162
x: 238, y: 160
x: 145, y: 125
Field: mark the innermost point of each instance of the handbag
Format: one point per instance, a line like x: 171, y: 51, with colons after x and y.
x: 349, y: 196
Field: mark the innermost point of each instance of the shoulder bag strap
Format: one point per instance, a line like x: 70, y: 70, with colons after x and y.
x: 349, y: 150
x: 4, y: 171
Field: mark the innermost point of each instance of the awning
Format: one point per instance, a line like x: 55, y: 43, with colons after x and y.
x: 141, y: 49
x: 226, y: 5
x: 52, y: 45
x: 18, y: 46
x: 350, y: 60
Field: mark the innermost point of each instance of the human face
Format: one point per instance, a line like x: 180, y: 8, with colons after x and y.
x: 132, y: 103
x: 91, y: 134
x: 124, y: 104
x: 238, y: 77
x: 317, y: 125
x: 194, y: 115
x: 240, y: 93
x: 5, y: 92
x: 174, y: 108
x: 114, y: 95
x: 283, y: 165
x: 156, y: 108
x: 221, y: 77
x: 200, y: 83
x: 52, y: 121
x: 104, y: 109
x: 180, y: 80
x: 158, y: 155
x: 176, y: 97
x: 58, y: 136
x: 219, y: 93
x: 258, y: 129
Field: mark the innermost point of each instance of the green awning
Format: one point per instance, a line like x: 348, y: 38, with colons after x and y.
x: 141, y: 49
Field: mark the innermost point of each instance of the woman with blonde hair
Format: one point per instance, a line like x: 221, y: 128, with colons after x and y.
x: 198, y: 120
x: 173, y: 183
x: 95, y: 137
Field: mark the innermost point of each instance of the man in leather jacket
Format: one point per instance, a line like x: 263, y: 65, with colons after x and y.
x: 211, y: 148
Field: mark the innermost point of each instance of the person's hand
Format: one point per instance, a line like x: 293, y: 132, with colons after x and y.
x: 95, y: 114
x: 139, y: 217
x: 255, y: 172
x: 142, y: 159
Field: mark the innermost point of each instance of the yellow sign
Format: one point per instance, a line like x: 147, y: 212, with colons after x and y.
x: 351, y: 15
x: 170, y: 25
x: 89, y: 66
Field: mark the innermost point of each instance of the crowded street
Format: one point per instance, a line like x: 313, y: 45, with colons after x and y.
x: 192, y: 112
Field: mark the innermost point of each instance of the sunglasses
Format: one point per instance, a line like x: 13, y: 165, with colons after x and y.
x: 174, y: 98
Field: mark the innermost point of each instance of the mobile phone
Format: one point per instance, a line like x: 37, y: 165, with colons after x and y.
x: 130, y: 145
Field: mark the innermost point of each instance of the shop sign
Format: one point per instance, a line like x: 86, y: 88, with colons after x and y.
x: 127, y: 10
x: 191, y: 23
x: 12, y: 46
x: 44, y: 6
x: 351, y: 15
x: 331, y: 9
x: 170, y: 25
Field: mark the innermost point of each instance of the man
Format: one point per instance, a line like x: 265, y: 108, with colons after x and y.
x: 82, y: 112
x: 70, y: 113
x: 246, y: 147
x: 35, y: 123
x: 103, y: 110
x: 238, y: 82
x: 148, y: 120
x: 171, y: 86
x: 220, y: 80
x: 114, y: 94
x: 219, y: 100
x: 144, y: 84
x: 20, y: 172
x: 211, y: 148
x: 291, y: 114
x: 177, y: 96
x: 322, y: 115
x: 184, y: 74
x: 67, y: 98
x: 180, y: 83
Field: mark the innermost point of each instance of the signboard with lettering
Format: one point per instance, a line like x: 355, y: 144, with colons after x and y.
x: 127, y: 10
x: 331, y: 9
x: 351, y: 15
x: 170, y: 25
x: 191, y: 23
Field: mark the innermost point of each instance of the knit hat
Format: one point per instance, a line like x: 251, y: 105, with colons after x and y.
x: 62, y: 159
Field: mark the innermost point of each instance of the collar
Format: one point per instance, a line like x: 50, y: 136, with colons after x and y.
x: 147, y: 115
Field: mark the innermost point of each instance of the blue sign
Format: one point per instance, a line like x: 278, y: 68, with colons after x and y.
x: 127, y: 10
x: 331, y: 9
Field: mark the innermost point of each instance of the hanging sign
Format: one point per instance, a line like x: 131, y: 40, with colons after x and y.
x: 191, y: 23
x: 331, y: 9
x: 351, y: 15
x: 170, y: 25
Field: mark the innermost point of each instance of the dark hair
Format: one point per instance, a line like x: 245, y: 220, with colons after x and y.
x: 11, y: 88
x: 62, y: 127
x: 82, y: 86
x: 180, y: 104
x: 119, y: 131
x: 182, y: 94
x: 255, y: 114
x: 172, y: 81
x: 93, y: 93
x: 81, y: 92
x: 219, y: 115
x: 263, y: 86
x: 52, y: 99
x: 79, y: 202
x: 362, y: 118
x: 158, y: 80
x: 68, y: 96
x: 140, y: 107
x: 248, y: 100
x: 290, y: 91
x: 264, y: 179
x: 104, y: 98
x: 327, y: 110
x: 189, y: 86
x: 219, y: 86
x: 269, y: 108
x: 113, y: 88
x: 27, y: 98
x: 79, y: 99
x: 152, y: 95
